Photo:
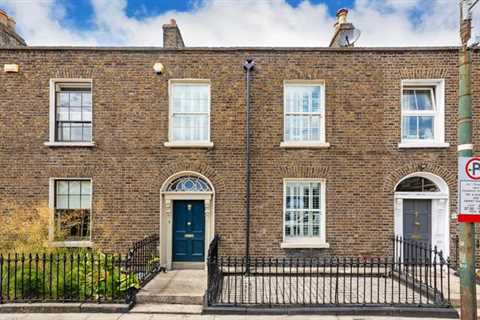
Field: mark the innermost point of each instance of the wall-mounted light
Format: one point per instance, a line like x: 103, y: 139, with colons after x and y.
x: 10, y: 68
x: 158, y: 68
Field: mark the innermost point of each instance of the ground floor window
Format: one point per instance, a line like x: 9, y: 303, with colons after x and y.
x: 72, y: 210
x: 304, y: 204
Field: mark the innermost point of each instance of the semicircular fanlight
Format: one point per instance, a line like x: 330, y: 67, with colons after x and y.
x: 417, y: 184
x: 189, y: 184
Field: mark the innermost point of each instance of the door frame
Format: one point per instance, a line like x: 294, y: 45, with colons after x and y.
x: 440, y: 224
x: 166, y: 216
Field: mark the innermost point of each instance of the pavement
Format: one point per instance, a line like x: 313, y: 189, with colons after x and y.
x: 130, y: 316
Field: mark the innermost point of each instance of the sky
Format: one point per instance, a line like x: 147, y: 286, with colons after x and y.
x: 216, y: 23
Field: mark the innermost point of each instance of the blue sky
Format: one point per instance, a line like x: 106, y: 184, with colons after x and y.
x: 79, y: 13
x: 234, y: 22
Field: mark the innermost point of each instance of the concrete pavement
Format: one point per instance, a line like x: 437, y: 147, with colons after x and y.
x: 130, y: 316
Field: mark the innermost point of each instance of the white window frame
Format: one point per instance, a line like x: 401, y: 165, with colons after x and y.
x: 188, y: 144
x: 306, y: 242
x: 305, y: 143
x: 438, y: 93
x: 70, y: 82
x: 51, y: 206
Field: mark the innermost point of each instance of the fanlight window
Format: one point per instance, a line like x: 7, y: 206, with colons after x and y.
x: 189, y: 184
x: 417, y: 184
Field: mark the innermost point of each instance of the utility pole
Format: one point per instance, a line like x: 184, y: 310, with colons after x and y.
x: 465, y: 149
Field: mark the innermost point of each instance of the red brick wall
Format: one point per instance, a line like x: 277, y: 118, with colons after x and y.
x: 130, y: 163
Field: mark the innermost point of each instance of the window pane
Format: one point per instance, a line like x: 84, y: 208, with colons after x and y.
x: 61, y: 202
x: 75, y: 114
x: 63, y: 132
x: 409, y: 100
x: 63, y: 114
x: 75, y: 99
x: 424, y: 99
x: 62, y: 187
x: 425, y: 127
x: 74, y: 202
x: 86, y: 114
x: 87, y: 132
x: 86, y: 187
x: 76, y: 132
x: 74, y: 187
x: 315, y: 128
x: 85, y: 202
x: 316, y: 99
x: 87, y: 99
x: 63, y: 99
x: 410, y: 127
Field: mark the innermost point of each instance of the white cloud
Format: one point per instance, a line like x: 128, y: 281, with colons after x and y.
x: 244, y: 23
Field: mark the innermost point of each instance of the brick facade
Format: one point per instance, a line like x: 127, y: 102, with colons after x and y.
x: 129, y: 163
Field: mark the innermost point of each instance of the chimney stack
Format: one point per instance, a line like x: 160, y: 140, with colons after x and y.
x: 8, y: 36
x: 172, y: 38
x: 343, y: 29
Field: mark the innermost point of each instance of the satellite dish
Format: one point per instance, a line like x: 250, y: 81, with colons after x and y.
x: 348, y: 37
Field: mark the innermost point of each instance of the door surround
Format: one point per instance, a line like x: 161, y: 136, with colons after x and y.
x: 440, y: 223
x: 166, y: 214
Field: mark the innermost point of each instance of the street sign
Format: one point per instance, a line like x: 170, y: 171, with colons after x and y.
x: 469, y: 189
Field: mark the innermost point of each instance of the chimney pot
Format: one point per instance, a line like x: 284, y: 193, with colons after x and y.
x: 341, y: 16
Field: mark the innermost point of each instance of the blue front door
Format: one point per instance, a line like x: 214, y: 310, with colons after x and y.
x: 188, y: 230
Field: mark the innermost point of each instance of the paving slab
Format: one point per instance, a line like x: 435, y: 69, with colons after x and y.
x: 167, y: 309
x: 175, y: 287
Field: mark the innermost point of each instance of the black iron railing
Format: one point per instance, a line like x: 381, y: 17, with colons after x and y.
x: 78, y: 277
x: 143, y: 259
x: 65, y: 278
x: 328, y: 281
x: 214, y: 275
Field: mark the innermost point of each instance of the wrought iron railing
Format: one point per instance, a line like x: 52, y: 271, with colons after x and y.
x: 143, y: 259
x: 329, y: 281
x: 65, y: 278
x: 78, y: 277
x: 214, y: 275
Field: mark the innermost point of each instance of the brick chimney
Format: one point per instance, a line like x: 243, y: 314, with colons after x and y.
x: 342, y: 29
x: 8, y: 36
x: 172, y: 38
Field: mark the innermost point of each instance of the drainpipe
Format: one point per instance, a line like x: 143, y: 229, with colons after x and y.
x: 248, y: 66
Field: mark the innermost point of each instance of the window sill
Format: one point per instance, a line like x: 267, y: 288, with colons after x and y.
x: 188, y: 144
x: 304, y: 245
x: 70, y: 144
x: 303, y: 144
x: 419, y: 145
x: 70, y: 244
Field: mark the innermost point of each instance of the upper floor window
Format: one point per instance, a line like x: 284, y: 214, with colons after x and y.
x: 71, y: 112
x: 72, y: 209
x: 422, y: 118
x: 304, y: 213
x: 304, y: 113
x: 189, y: 113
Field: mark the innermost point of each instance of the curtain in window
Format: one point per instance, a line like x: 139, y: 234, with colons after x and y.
x: 190, y: 112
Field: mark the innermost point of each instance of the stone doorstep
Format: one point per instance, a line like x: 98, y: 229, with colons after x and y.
x: 167, y: 309
x: 67, y: 307
x: 159, y: 298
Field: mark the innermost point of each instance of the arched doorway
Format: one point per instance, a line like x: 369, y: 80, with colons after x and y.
x: 186, y: 220
x: 422, y: 210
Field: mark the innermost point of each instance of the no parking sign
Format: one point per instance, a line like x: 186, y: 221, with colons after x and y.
x: 469, y: 189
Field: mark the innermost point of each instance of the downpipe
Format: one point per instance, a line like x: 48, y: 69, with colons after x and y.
x: 248, y: 67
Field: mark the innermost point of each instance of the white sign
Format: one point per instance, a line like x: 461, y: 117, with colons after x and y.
x: 469, y: 189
